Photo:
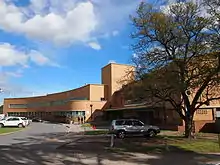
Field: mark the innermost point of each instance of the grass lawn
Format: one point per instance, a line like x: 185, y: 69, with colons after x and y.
x: 96, y: 132
x: 86, y: 125
x: 151, y: 146
x: 203, y: 143
x: 7, y: 130
x: 172, y: 142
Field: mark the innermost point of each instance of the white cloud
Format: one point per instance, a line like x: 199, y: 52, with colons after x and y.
x: 94, y: 45
x: 75, y: 25
x: 41, y: 60
x: 66, y: 23
x: 11, y: 56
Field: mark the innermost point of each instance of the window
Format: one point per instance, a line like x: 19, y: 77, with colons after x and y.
x: 202, y: 111
x: 10, y: 119
x: 137, y: 123
x: 18, y: 106
x: 59, y: 102
x: 39, y: 104
x: 128, y: 122
x: 15, y: 119
x: 119, y: 122
x: 77, y: 98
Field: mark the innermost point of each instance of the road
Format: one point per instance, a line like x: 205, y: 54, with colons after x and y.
x: 35, y: 145
x: 36, y: 131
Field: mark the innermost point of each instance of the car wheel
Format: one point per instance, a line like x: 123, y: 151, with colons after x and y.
x: 121, y: 134
x: 20, y: 125
x: 1, y: 125
x: 152, y: 133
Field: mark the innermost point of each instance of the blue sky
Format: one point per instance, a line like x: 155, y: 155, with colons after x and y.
x: 49, y: 46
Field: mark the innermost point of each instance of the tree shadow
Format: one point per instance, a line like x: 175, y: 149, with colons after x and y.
x: 86, y: 150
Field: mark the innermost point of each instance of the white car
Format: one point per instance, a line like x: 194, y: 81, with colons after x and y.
x: 27, y: 121
x: 12, y: 122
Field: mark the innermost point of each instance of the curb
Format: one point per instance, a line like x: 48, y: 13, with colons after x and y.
x: 8, y: 133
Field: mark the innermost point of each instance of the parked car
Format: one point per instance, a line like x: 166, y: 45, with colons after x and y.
x: 37, y: 120
x: 127, y: 127
x: 12, y: 122
x: 27, y: 121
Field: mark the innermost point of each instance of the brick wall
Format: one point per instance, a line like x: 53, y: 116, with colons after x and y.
x: 205, y: 126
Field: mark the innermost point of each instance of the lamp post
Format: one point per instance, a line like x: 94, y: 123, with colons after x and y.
x: 91, y: 111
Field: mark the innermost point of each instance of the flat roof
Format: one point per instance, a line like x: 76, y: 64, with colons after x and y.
x: 55, y: 93
x: 117, y: 64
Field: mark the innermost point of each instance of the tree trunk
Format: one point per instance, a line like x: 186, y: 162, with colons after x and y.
x: 189, y: 127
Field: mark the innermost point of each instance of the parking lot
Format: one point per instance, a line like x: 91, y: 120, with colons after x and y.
x: 49, y: 144
x: 35, y: 130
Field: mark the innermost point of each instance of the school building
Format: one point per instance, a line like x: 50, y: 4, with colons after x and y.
x: 106, y: 101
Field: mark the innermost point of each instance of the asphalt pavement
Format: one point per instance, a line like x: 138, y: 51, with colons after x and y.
x: 36, y: 145
x: 50, y: 144
x: 37, y: 131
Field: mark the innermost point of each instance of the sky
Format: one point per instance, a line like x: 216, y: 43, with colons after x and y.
x: 49, y: 46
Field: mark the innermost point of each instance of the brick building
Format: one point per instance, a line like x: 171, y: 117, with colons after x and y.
x: 84, y: 103
x: 107, y: 101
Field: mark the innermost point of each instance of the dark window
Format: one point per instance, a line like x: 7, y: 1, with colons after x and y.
x: 18, y: 106
x: 15, y: 119
x: 128, y: 122
x: 202, y: 111
x: 137, y: 123
x: 76, y: 98
x: 10, y: 119
x: 119, y: 122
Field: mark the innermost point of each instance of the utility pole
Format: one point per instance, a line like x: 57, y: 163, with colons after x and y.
x: 91, y: 111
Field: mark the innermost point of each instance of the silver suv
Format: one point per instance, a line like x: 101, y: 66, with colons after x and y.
x: 124, y: 127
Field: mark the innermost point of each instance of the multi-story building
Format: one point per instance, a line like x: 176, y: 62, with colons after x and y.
x: 86, y: 102
x: 92, y: 100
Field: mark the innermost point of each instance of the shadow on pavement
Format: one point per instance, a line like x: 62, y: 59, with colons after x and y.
x: 87, y: 150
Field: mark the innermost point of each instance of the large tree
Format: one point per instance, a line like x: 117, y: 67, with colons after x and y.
x: 177, y: 55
